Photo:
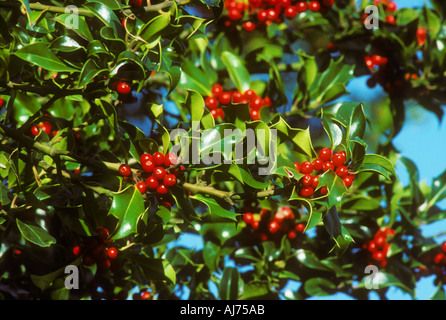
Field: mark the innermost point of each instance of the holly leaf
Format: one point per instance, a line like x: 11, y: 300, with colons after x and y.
x: 127, y: 207
x: 35, y: 234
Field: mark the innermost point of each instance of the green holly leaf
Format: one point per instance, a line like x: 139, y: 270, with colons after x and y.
x: 127, y: 206
x: 35, y: 234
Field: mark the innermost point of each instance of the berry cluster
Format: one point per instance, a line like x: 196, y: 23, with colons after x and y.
x: 220, y: 98
x: 379, y: 247
x: 96, y: 250
x: 159, y: 172
x: 434, y: 263
x: 326, y: 161
x: 267, y: 226
x: 265, y: 12
x: 44, y: 126
x: 374, y: 61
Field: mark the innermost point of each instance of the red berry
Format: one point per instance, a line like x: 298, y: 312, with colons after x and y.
x: 170, y: 159
x: 324, y: 191
x: 35, y: 130
x: 380, y: 241
x: 250, y: 94
x: 301, y: 6
x: 273, y: 227
x: 315, y: 182
x: 217, y: 90
x: 46, y: 127
x: 306, y: 167
x: 339, y: 158
x: 248, y: 217
x: 256, y: 103
x: 237, y: 97
x: 372, y: 246
x: 306, y: 180
x: 348, y: 180
x: 391, y: 19
x: 125, y: 170
x: 148, y: 165
x: 144, y: 157
x: 77, y: 250
x: 297, y: 165
x: 235, y: 14
x: 290, y: 12
x: 123, y: 88
x: 300, y: 227
x: 162, y: 189
x: 103, y: 233
x: 314, y: 6
x: 159, y: 173
x: 170, y: 180
x: 255, y: 115
x: 104, y: 264
x: 211, y: 103
x: 317, y: 164
x: 378, y: 255
x: 158, y: 158
x: 287, y: 212
x: 248, y: 26
x: 145, y: 295
x: 328, y: 165
x: 225, y: 98
x: 421, y: 33
x: 342, y: 171
x: 152, y: 183
x: 141, y: 186
x: 271, y: 14
x: 292, y: 234
x: 327, y: 3
x: 112, y: 253
x: 306, y: 191
x: 325, y: 154
x: 2, y: 101
x: 267, y: 102
x: 391, y: 7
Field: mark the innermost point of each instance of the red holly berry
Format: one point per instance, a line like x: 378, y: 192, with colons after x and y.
x: 237, y: 97
x: 273, y: 226
x: 170, y: 180
x: 327, y: 3
x: 290, y: 12
x: 380, y: 241
x: 162, y: 189
x: 342, y: 171
x: 211, y: 103
x: 315, y: 182
x: 421, y: 33
x: 324, y: 191
x: 300, y: 227
x: 306, y: 167
x: 348, y: 180
x: 141, y: 186
x: 378, y: 255
x: 170, y: 159
x: 125, y: 170
x: 225, y: 97
x: 339, y: 158
x: 123, y: 88
x: 391, y: 7
x: 102, y: 233
x: 391, y: 19
x: 306, y: 180
x: 216, y: 90
x: 314, y: 6
x: 443, y: 246
x: 317, y: 164
x: 256, y: 103
x: 235, y: 14
x: 255, y: 114
x: 306, y: 192
x: 148, y: 165
x: 325, y: 154
x: 77, y: 250
x: 292, y: 234
x: 159, y: 173
x: 249, y: 94
x: 297, y: 165
x: 328, y: 165
x: 158, y: 158
x: 104, y: 264
x: 112, y: 252
x: 248, y: 217
x: 301, y: 6
x: 248, y: 26
x: 35, y: 130
x: 152, y: 183
x: 144, y: 157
